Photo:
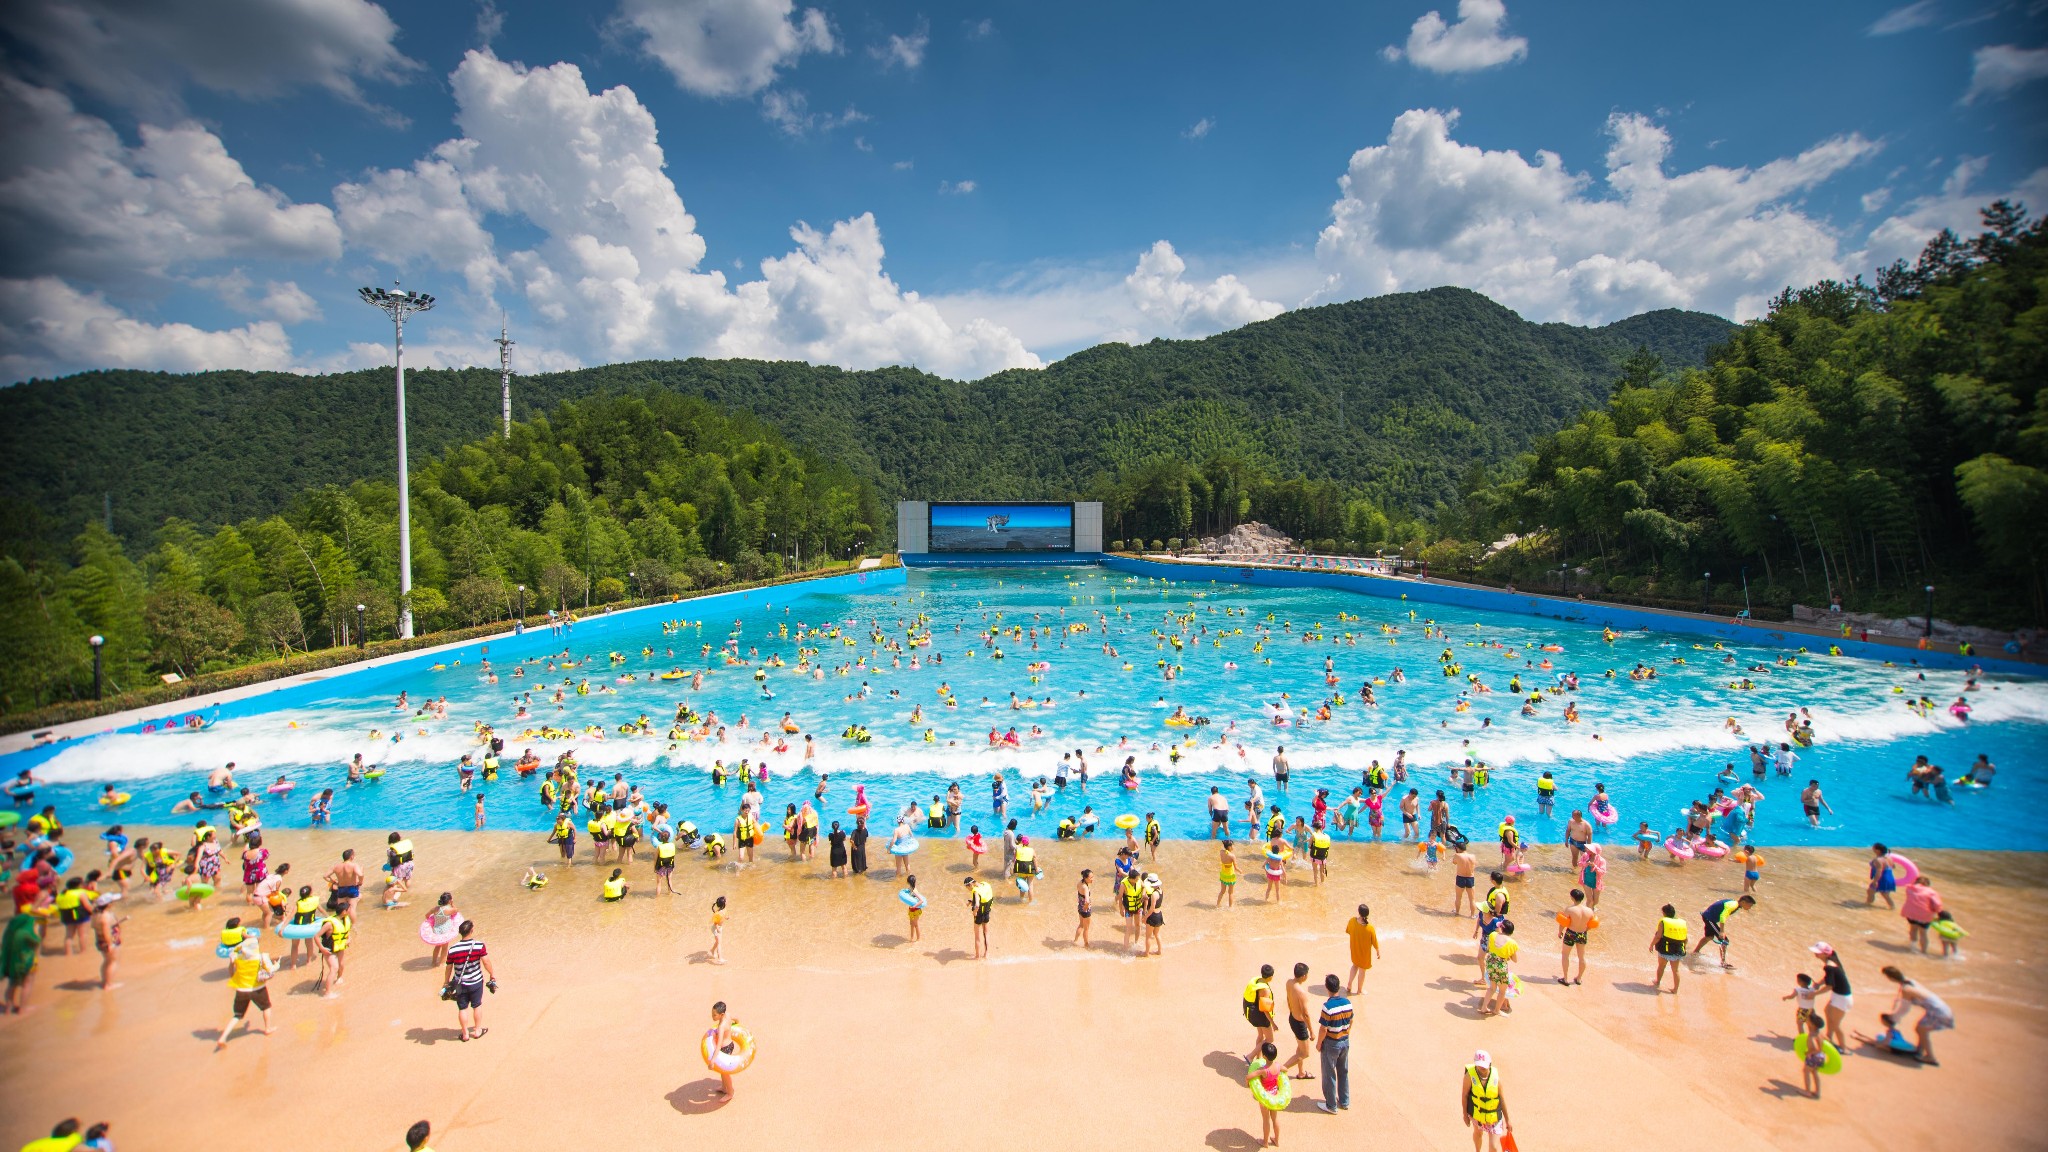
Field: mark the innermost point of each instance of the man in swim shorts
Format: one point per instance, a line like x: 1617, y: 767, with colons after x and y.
x: 1219, y: 813
x: 1812, y: 801
x: 1465, y: 898
x: 346, y: 881
x: 1577, y: 835
x: 1575, y: 924
x: 1297, y: 1023
x: 1411, y: 811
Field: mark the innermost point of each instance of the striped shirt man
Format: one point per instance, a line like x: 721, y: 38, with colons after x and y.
x: 1336, y: 1020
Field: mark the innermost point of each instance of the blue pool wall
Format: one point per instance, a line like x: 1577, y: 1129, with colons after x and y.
x: 504, y: 647
x: 1587, y: 613
x: 1004, y: 560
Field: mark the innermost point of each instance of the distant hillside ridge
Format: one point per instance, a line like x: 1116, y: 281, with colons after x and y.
x: 1396, y: 395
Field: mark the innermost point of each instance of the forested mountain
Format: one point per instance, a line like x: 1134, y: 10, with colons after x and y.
x: 1865, y: 441
x: 1394, y: 398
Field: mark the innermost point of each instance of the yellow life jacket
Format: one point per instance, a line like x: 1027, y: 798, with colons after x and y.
x: 1673, y: 928
x: 302, y: 913
x: 1483, y: 1094
x: 1027, y: 860
x: 665, y: 851
x: 342, y: 927
x: 983, y: 895
x: 1320, y: 840
x: 68, y: 900
x: 401, y: 852
x: 615, y: 889
x: 1252, y: 994
x: 231, y: 937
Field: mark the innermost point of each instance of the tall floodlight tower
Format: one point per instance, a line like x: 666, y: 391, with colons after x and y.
x: 399, y: 305
x: 505, y: 373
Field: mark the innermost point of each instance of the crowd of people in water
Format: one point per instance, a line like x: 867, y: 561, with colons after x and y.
x: 1279, y: 835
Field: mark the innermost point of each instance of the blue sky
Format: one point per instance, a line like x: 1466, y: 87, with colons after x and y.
x: 203, y: 183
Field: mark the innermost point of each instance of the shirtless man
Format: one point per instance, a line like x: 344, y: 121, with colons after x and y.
x: 193, y: 803
x: 1577, y: 834
x: 1280, y: 766
x: 1465, y: 895
x: 1219, y: 814
x: 1411, y: 815
x: 1814, y: 802
x: 1298, y: 1023
x: 1577, y: 924
x: 346, y: 880
x: 1439, y: 815
x: 221, y: 779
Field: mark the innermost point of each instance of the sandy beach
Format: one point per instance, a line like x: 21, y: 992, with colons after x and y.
x: 867, y: 1040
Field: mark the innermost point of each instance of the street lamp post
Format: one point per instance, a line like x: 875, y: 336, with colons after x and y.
x: 98, y: 642
x: 362, y: 637
x: 633, y: 584
x: 1928, y: 630
x: 399, y: 305
x: 1706, y: 589
x: 519, y: 613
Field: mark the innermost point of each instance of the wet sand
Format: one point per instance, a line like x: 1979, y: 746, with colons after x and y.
x: 870, y: 1041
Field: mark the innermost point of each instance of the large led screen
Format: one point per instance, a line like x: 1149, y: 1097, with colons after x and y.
x: 1002, y: 528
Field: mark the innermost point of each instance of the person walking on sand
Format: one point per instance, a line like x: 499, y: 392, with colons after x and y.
x: 1465, y: 896
x: 1934, y: 1013
x: 981, y: 900
x: 717, y: 953
x: 1258, y: 1010
x: 249, y: 971
x: 466, y: 975
x: 1365, y: 944
x: 1297, y: 1023
x: 1484, y: 1104
x: 1919, y: 908
x: 914, y: 903
x: 1668, y: 943
x: 1333, y: 1043
x: 1884, y: 878
x: 1574, y: 925
x: 1084, y: 906
x: 1270, y: 1091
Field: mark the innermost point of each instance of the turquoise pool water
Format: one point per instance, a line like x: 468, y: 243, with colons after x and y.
x: 1243, y: 652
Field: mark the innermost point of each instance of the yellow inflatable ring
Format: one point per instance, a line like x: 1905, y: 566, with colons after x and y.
x: 735, y: 1061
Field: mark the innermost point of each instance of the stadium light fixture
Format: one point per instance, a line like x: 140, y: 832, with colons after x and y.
x: 399, y: 305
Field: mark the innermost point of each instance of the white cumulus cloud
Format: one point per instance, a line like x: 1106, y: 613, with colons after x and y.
x: 78, y: 202
x: 957, y: 188
x: 1998, y: 69
x: 1161, y: 294
x: 727, y: 47
x: 1199, y: 128
x: 138, y: 53
x: 45, y: 322
x: 618, y: 272
x: 907, y: 51
x: 1423, y: 210
x: 1955, y: 205
x: 1478, y: 40
x: 830, y: 301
